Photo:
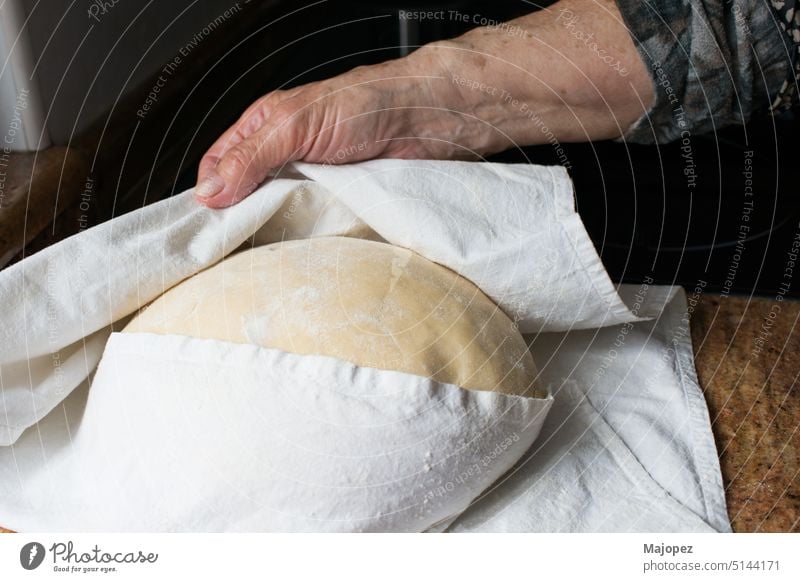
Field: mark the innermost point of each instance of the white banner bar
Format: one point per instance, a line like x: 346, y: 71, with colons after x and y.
x: 401, y: 557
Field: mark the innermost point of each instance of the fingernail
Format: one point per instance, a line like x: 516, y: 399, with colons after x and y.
x: 209, y: 186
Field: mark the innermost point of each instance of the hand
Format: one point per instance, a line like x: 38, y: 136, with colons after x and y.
x: 366, y: 113
x: 488, y: 90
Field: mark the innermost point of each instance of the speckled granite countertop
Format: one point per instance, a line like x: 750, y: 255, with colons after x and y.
x: 747, y: 354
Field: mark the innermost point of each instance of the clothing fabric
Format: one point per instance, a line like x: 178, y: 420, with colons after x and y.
x: 789, y: 21
x: 713, y: 64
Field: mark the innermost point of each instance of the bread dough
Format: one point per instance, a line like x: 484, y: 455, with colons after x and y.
x: 369, y: 303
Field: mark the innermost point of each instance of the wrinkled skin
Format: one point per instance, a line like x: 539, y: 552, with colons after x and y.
x: 458, y: 99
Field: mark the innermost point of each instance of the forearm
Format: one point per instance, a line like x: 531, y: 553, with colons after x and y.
x: 570, y: 71
x: 567, y: 73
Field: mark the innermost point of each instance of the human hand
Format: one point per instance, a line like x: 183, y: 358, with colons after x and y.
x: 369, y: 112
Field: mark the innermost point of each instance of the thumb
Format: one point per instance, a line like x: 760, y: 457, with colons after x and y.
x: 240, y: 170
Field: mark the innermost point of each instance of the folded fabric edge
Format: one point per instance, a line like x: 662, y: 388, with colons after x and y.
x: 564, y: 204
x: 91, y: 351
x: 705, y: 449
x: 130, y: 343
x: 628, y: 460
x: 617, y: 311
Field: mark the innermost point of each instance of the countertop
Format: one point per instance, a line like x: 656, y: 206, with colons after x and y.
x: 747, y: 355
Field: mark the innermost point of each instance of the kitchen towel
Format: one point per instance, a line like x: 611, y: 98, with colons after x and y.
x: 511, y: 229
x: 627, y: 445
x: 186, y: 434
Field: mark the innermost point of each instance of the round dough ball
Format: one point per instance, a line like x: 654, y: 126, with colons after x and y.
x: 369, y: 303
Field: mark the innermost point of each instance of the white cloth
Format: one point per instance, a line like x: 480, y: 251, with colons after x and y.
x: 627, y: 445
x: 191, y: 434
x: 511, y: 229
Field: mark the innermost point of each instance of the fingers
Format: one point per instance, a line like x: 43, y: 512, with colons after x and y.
x: 235, y: 172
x: 211, y: 185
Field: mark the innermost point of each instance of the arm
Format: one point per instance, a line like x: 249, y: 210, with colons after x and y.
x: 570, y: 72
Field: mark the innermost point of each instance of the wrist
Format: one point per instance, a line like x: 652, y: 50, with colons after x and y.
x: 456, y: 100
x: 530, y: 80
x: 487, y: 97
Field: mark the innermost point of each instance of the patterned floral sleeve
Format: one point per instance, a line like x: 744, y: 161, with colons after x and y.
x: 713, y: 63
